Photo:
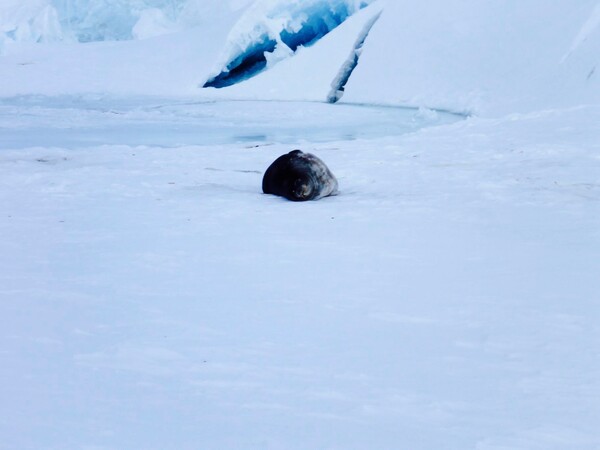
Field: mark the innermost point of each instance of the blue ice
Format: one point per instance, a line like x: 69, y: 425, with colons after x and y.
x: 316, y: 18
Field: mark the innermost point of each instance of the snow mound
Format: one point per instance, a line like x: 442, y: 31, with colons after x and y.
x: 272, y: 30
x: 487, y: 58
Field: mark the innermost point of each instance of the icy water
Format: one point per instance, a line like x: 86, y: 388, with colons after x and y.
x: 89, y: 121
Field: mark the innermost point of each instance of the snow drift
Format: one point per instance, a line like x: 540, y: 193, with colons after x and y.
x: 482, y: 57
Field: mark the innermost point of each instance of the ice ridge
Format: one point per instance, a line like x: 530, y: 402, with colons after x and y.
x: 339, y: 83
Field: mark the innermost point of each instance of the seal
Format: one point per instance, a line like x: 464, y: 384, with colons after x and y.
x: 299, y: 176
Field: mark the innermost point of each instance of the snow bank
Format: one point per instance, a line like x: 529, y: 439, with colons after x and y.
x: 164, y: 65
x: 482, y: 57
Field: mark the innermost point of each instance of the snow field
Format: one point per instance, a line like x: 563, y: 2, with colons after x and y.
x: 154, y: 298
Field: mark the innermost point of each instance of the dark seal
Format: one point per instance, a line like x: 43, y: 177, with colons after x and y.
x: 299, y: 176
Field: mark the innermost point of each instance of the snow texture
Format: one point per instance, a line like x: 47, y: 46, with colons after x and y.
x: 489, y: 58
x: 151, y: 297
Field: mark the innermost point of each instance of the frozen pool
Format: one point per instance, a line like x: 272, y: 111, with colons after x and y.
x: 89, y: 121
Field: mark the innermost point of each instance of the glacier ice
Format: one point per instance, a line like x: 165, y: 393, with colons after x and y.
x: 28, y: 20
x: 102, y: 20
x: 274, y: 29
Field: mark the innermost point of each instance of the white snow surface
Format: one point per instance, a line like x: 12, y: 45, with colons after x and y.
x: 151, y: 297
x: 164, y: 65
x: 488, y: 58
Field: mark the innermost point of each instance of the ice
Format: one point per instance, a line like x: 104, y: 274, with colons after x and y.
x: 272, y: 30
x: 338, y: 85
x: 590, y: 27
x: 152, y: 22
x: 104, y: 20
x: 312, y: 72
x: 29, y: 21
x: 126, y: 120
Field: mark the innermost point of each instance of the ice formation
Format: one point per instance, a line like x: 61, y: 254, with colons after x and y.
x: 103, y: 20
x: 338, y: 85
x: 272, y: 30
x: 30, y: 21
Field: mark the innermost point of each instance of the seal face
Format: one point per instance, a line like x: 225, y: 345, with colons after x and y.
x: 299, y: 176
